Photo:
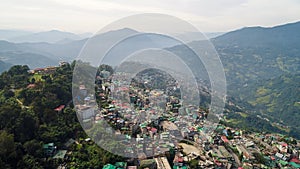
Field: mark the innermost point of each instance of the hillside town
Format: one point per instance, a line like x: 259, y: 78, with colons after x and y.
x: 158, y: 132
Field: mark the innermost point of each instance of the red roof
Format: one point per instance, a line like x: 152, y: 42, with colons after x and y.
x: 123, y: 88
x: 192, y: 129
x: 295, y: 160
x: 180, y: 160
x: 284, y: 144
x: 39, y: 69
x: 224, y: 138
x: 59, y: 108
x: 153, y: 130
x: 218, y: 163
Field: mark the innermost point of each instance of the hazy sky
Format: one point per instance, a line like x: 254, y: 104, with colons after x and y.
x: 91, y: 15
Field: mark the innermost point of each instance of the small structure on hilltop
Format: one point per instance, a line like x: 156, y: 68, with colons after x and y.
x: 49, y: 149
x: 59, y: 108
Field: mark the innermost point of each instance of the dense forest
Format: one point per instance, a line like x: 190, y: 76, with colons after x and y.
x: 268, y: 105
x: 279, y: 96
x: 29, y: 120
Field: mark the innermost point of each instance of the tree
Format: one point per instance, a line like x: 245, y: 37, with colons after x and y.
x: 105, y: 67
x: 33, y: 148
x: 194, y: 164
x: 47, y: 78
x: 9, y: 112
x: 260, y: 158
x: 29, y: 161
x: 8, y: 93
x: 7, y: 146
x: 18, y: 70
x: 33, y: 80
x: 26, y: 126
x: 18, y: 76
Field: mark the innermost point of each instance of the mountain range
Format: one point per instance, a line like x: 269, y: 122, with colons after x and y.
x: 67, y: 50
x: 8, y: 34
x: 255, y: 53
x: 262, y: 71
x: 261, y: 64
x: 53, y: 36
x: 258, y: 42
x: 282, y: 36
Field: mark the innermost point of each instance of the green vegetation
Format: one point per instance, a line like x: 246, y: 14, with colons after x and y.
x: 277, y: 98
x: 28, y: 120
x: 262, y: 71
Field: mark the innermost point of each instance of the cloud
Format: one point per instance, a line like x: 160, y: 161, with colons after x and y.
x: 91, y: 15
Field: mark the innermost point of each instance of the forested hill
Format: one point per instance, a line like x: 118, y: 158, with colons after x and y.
x: 256, y: 53
x: 271, y: 105
x: 28, y: 120
x: 278, y: 98
x: 262, y: 69
x: 283, y: 36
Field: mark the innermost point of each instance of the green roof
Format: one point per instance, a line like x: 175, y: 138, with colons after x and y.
x: 283, y: 162
x: 129, y: 148
x: 178, y: 167
x: 294, y: 164
x: 172, y: 119
x: 214, y: 154
x: 128, y: 136
x: 109, y: 166
x: 48, y: 145
x: 199, y: 128
x: 121, y: 164
x: 143, y: 125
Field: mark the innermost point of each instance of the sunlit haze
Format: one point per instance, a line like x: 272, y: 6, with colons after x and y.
x: 90, y: 15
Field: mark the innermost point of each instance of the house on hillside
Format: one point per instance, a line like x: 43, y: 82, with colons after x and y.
x: 47, y: 70
x: 62, y: 63
x: 59, y: 108
x: 49, y: 149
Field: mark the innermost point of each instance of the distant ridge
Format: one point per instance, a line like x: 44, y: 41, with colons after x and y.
x: 58, y: 45
x: 6, y: 34
x: 52, y: 36
x: 287, y: 35
x: 4, y: 66
x: 254, y: 53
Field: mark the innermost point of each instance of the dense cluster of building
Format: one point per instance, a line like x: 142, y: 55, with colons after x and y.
x: 162, y: 133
